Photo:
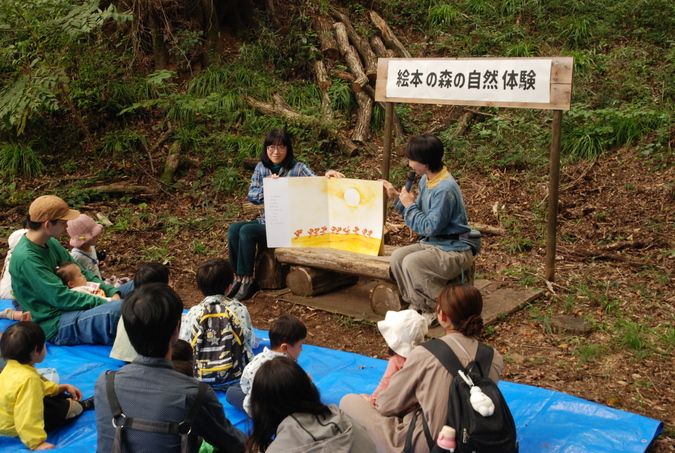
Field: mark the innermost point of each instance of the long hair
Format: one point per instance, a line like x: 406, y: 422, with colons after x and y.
x: 278, y: 137
x: 463, y: 305
x: 280, y: 388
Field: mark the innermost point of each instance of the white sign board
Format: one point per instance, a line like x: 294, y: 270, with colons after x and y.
x: 478, y: 79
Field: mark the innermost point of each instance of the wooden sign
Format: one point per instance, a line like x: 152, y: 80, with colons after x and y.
x: 539, y: 83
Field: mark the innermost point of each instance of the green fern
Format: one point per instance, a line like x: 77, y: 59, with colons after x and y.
x: 341, y: 97
x: 19, y: 160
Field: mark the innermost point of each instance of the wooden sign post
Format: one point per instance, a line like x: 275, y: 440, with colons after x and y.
x: 534, y: 83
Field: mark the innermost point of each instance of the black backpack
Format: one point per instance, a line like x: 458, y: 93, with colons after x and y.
x: 475, y: 434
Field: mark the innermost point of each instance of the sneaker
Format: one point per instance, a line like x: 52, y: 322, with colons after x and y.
x: 87, y: 404
x: 235, y: 289
x: 246, y: 291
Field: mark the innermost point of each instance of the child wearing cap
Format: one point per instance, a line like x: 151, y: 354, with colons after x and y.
x: 402, y: 330
x: 84, y: 233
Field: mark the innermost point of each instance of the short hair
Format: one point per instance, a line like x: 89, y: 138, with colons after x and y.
x: 35, y: 226
x: 151, y: 273
x: 151, y: 315
x: 426, y: 149
x: 20, y: 340
x: 182, y: 357
x: 286, y: 329
x: 278, y: 137
x: 463, y: 305
x: 214, y: 276
x: 65, y: 272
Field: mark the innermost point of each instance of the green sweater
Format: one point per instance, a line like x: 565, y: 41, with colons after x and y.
x: 39, y: 290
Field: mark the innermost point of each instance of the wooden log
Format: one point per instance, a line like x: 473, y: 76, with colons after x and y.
x: 307, y: 282
x: 384, y: 297
x: 398, y: 128
x: 324, y: 29
x: 380, y: 50
x: 122, y: 188
x: 324, y: 83
x: 362, y: 45
x: 347, y: 146
x: 388, y: 36
x: 350, y: 56
x: 337, y: 261
x: 269, y: 273
x: 364, y: 112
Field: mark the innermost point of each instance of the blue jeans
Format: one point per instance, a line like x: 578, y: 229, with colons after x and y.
x: 126, y: 289
x: 97, y: 325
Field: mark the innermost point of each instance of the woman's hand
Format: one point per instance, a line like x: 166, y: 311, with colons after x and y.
x: 273, y: 176
x: 334, y: 174
x: 406, y: 198
x: 389, y: 187
x: 72, y: 390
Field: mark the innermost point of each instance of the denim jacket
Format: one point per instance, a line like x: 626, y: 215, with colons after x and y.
x: 437, y: 213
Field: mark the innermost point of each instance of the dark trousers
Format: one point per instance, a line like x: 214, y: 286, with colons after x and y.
x: 235, y: 396
x: 56, y: 409
x: 242, y: 240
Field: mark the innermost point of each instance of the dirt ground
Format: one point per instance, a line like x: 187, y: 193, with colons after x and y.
x: 614, y: 269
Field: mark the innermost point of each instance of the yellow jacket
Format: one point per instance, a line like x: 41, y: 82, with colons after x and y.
x: 22, y: 390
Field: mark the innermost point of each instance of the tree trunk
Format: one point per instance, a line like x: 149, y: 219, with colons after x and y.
x: 388, y: 36
x: 324, y: 29
x: 350, y: 57
x: 367, y: 55
x: 384, y: 297
x: 380, y: 50
x: 211, y: 28
x: 159, y: 50
x: 269, y: 273
x: 307, y: 282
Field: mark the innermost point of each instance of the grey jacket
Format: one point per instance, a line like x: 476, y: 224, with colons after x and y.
x: 306, y: 433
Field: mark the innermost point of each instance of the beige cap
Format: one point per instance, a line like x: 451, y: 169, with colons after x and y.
x: 50, y: 207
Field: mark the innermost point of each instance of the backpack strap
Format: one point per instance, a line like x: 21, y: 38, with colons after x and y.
x: 120, y: 421
x: 484, y: 356
x: 444, y: 354
x: 408, y: 447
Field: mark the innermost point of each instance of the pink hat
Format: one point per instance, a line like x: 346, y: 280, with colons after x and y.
x: 82, y: 230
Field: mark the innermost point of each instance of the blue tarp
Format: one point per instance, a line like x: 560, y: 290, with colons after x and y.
x: 547, y: 421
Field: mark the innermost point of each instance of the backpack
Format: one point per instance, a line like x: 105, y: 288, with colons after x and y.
x: 217, y: 342
x: 475, y: 433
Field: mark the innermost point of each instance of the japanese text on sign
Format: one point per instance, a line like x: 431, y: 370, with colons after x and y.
x: 488, y: 80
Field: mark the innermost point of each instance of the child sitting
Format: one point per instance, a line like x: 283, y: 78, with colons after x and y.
x: 402, y: 330
x: 6, y: 281
x: 84, y: 233
x: 29, y: 404
x: 287, y: 334
x: 147, y: 273
x: 219, y: 329
x: 182, y: 357
x: 72, y: 277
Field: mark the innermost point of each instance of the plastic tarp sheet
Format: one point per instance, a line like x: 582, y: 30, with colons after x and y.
x: 547, y: 421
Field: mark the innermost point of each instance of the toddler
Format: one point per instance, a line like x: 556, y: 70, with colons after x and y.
x: 84, y: 233
x: 72, y: 277
x: 214, y: 278
x: 402, y: 330
x: 287, y: 334
x: 29, y: 404
x: 182, y: 358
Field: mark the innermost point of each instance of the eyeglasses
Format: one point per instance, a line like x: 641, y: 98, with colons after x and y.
x: 277, y: 148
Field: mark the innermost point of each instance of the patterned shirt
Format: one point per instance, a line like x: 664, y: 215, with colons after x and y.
x: 190, y: 320
x: 249, y: 374
x: 87, y: 260
x: 255, y: 190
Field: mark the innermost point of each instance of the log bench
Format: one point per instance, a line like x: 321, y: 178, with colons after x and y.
x: 318, y: 270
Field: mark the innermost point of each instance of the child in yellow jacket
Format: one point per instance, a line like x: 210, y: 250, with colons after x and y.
x: 30, y: 405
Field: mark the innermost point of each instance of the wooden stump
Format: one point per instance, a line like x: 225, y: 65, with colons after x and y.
x: 269, y: 273
x: 306, y: 281
x: 383, y: 297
